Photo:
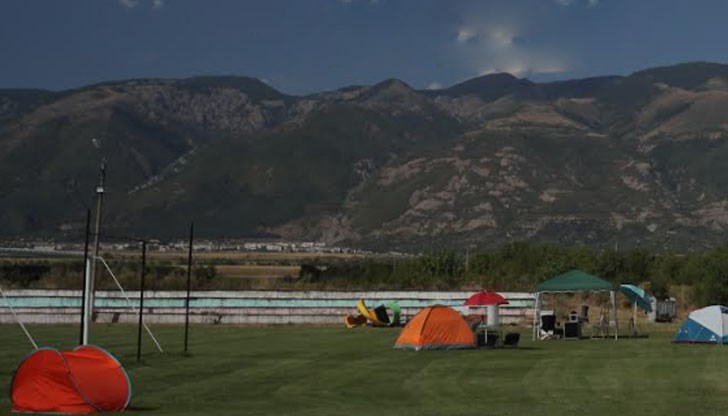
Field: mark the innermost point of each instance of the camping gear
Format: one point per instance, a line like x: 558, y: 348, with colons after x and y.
x: 352, y: 321
x: 663, y: 310
x: 511, y: 339
x: 396, y: 313
x: 707, y: 325
x: 572, y: 330
x: 436, y: 327
x: 381, y: 313
x: 369, y: 314
x: 488, y: 339
x: 377, y: 316
x: 570, y: 282
x: 548, y: 329
x: 85, y: 380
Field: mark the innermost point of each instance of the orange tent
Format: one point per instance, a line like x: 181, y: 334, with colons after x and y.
x: 436, y: 327
x: 85, y: 380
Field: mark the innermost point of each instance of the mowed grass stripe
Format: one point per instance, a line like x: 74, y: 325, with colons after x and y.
x: 297, y: 370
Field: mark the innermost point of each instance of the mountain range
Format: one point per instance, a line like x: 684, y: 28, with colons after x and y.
x: 637, y: 160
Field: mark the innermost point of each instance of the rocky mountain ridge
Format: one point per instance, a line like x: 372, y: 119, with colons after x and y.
x: 634, y: 160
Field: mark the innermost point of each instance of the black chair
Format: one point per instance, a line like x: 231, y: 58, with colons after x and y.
x: 511, y: 339
x: 490, y: 341
x: 548, y: 323
x: 549, y: 328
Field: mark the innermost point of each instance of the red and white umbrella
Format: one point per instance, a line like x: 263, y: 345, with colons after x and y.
x: 488, y: 299
x: 485, y: 298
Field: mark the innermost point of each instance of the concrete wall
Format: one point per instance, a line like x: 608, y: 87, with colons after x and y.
x: 240, y: 307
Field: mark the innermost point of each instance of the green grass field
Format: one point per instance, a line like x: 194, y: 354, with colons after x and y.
x: 295, y: 370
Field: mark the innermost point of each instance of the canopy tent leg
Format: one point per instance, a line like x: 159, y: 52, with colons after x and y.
x: 536, y: 315
x: 613, y: 296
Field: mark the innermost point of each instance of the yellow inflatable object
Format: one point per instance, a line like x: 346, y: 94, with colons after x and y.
x: 368, y: 313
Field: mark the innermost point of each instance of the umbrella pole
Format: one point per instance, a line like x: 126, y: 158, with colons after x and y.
x: 634, y: 319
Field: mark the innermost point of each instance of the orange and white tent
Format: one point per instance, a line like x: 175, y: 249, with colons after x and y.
x: 436, y: 327
x: 85, y: 380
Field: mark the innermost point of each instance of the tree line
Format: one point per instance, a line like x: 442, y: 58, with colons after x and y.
x: 518, y: 266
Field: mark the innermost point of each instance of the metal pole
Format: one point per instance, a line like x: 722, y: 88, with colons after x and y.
x: 189, y: 284
x: 84, y: 323
x: 613, y: 295
x: 17, y: 319
x: 141, y: 301
x: 97, y: 235
x: 536, y: 316
x: 128, y: 302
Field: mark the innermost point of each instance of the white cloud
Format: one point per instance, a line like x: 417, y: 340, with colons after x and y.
x: 465, y: 35
x: 129, y: 4
x: 434, y: 86
x: 370, y: 2
x: 567, y: 3
x: 501, y: 37
x: 524, y: 65
x: 495, y: 36
x: 487, y: 43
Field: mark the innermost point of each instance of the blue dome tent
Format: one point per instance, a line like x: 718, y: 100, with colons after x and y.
x: 708, y: 325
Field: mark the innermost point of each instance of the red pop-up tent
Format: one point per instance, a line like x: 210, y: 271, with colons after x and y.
x: 85, y: 380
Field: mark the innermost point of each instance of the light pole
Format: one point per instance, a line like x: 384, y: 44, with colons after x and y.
x: 90, y: 282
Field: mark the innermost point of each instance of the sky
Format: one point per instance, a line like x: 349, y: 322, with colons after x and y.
x: 305, y: 46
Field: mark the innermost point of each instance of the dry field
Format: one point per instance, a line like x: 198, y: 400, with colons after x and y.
x: 256, y: 272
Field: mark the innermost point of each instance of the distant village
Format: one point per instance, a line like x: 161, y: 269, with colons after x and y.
x: 50, y: 246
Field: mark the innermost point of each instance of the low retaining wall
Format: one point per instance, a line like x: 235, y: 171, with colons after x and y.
x: 238, y: 307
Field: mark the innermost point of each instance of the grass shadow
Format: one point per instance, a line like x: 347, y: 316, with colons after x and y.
x: 141, y: 409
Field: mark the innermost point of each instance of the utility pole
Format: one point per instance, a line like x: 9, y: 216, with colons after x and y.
x: 141, y: 300
x: 92, y: 274
x: 189, y: 286
x: 84, y: 328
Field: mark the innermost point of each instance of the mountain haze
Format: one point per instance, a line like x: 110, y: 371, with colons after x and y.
x: 632, y: 160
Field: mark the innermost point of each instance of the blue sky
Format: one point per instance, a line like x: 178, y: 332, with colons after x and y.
x: 302, y: 46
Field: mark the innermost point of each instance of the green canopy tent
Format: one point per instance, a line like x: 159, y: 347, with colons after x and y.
x: 571, y: 282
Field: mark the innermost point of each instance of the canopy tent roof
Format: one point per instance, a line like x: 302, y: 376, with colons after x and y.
x: 575, y: 281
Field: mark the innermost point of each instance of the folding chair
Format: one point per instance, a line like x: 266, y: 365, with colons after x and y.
x: 548, y: 328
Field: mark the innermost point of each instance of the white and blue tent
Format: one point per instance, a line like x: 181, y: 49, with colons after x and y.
x: 708, y: 325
